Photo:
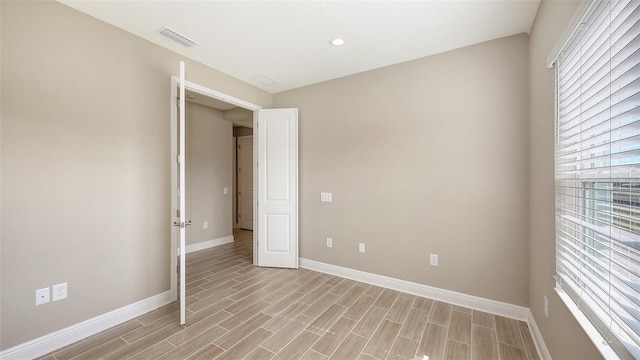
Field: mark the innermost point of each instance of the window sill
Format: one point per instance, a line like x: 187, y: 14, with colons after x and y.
x: 598, y: 341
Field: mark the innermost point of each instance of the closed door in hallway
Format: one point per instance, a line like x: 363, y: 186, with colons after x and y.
x: 245, y: 182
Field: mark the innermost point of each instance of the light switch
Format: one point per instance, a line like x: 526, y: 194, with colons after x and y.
x: 225, y: 190
x: 433, y: 259
x: 326, y: 197
x: 42, y: 296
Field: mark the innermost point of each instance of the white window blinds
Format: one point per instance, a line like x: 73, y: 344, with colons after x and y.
x: 598, y: 172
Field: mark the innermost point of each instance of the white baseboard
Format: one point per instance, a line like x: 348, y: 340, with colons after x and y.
x: 79, y: 331
x: 537, y: 338
x: 451, y: 297
x: 207, y: 244
x: 71, y: 334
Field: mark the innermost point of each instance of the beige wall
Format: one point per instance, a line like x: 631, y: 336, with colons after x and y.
x: 445, y: 161
x: 428, y: 156
x: 209, y: 152
x: 562, y: 335
x: 85, y: 165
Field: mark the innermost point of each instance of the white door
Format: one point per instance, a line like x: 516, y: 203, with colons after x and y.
x: 182, y: 222
x: 245, y: 182
x: 277, y: 203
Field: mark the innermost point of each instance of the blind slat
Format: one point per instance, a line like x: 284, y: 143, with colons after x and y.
x: 597, y: 170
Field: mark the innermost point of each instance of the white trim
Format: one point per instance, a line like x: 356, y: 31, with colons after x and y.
x: 573, y: 28
x: 536, y: 335
x: 173, y: 140
x: 202, y: 90
x: 592, y: 333
x: 451, y: 297
x: 207, y: 244
x: 182, y: 197
x: 79, y: 331
x: 256, y: 222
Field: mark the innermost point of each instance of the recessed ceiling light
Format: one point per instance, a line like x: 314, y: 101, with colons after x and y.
x: 337, y: 42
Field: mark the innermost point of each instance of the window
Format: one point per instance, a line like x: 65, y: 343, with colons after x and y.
x: 597, y: 172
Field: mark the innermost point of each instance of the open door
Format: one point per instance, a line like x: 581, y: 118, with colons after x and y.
x: 182, y: 222
x: 277, y: 203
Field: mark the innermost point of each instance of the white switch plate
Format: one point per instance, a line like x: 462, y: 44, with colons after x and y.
x: 361, y: 247
x: 326, y: 197
x: 433, y: 259
x: 59, y: 291
x: 205, y: 225
x: 42, y: 296
x: 329, y: 242
x: 225, y: 190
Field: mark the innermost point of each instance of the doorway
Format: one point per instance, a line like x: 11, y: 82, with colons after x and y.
x: 212, y: 99
x: 275, y: 185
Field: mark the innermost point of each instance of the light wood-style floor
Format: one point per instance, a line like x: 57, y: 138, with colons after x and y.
x: 237, y: 311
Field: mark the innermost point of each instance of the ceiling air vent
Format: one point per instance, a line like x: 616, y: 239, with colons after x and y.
x: 180, y: 39
x: 264, y: 80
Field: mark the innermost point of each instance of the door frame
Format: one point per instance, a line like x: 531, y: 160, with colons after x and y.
x: 173, y: 118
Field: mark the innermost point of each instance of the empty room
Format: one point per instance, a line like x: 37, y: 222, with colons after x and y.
x: 320, y: 179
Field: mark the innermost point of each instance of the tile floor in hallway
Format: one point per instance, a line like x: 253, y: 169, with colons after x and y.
x: 238, y: 311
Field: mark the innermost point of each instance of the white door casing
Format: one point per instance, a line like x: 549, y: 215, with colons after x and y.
x: 245, y: 182
x: 277, y: 203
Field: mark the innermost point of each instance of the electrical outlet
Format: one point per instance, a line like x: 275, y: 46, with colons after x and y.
x: 329, y: 242
x: 42, y: 296
x: 433, y: 259
x: 361, y: 247
x: 59, y: 291
x: 205, y: 225
x: 546, y: 307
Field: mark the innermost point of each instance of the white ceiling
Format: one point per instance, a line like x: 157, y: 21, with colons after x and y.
x: 289, y: 40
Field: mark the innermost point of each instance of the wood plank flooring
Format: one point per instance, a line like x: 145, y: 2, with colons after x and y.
x: 238, y: 311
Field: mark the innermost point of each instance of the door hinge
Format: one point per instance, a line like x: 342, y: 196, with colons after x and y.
x: 178, y: 101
